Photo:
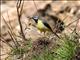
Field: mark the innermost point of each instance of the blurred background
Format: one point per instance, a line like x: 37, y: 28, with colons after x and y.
x: 67, y: 12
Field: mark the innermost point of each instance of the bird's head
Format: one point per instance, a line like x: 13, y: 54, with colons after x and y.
x: 35, y: 18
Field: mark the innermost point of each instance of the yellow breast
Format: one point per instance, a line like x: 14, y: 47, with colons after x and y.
x: 41, y: 26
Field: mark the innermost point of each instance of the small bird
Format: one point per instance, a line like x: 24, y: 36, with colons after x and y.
x: 42, y: 25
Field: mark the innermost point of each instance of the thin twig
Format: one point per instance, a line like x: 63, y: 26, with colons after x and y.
x: 75, y: 26
x: 65, y: 18
x: 4, y: 41
x: 6, y: 24
x: 16, y: 44
x: 19, y: 14
x: 10, y: 30
x: 35, y: 5
x: 18, y: 3
x: 9, y: 21
x: 71, y: 23
x: 75, y: 32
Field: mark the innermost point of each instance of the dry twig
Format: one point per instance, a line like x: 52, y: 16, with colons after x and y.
x: 19, y: 7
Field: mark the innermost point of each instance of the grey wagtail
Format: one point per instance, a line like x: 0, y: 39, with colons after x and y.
x: 42, y: 25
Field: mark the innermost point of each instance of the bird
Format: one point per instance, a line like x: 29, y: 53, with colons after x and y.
x: 43, y: 25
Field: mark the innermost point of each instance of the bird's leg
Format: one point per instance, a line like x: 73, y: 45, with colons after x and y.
x: 41, y: 33
x: 44, y: 34
x: 48, y: 34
